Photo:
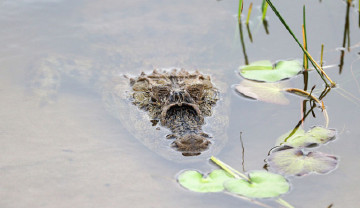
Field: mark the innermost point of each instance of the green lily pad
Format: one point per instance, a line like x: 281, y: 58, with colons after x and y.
x: 266, y: 92
x: 293, y: 161
x: 194, y: 181
x: 314, y: 137
x: 266, y: 72
x: 262, y: 185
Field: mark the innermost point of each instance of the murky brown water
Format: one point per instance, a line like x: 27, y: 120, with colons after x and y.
x: 72, y: 153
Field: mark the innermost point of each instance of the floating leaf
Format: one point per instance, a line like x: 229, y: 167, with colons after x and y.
x: 265, y: 71
x: 267, y: 92
x: 194, y: 181
x: 315, y: 136
x: 291, y: 161
x: 261, y: 185
x: 285, y: 138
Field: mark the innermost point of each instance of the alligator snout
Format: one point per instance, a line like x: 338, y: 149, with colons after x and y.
x: 172, y: 109
x: 191, y: 144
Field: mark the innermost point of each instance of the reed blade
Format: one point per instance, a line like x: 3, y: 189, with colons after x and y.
x: 313, y: 62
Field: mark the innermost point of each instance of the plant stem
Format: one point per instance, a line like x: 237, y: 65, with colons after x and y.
x: 302, y: 92
x: 305, y: 60
x: 284, y: 203
x: 316, y: 66
x: 229, y: 169
x: 219, y: 163
x: 253, y: 201
x: 320, y: 68
x: 249, y: 12
x: 299, y: 91
x: 306, y: 63
x: 240, y: 10
x: 322, y: 54
x: 264, y: 9
x: 243, y: 44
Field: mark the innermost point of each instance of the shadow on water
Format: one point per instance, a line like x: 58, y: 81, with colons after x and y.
x: 346, y: 37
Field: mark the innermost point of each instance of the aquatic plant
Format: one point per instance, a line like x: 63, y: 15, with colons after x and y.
x: 264, y: 7
x: 317, y: 67
x: 240, y: 10
x: 262, y: 184
x: 291, y: 155
x: 291, y: 161
x: 316, y: 136
x: 305, y: 59
x: 249, y: 13
x: 256, y: 184
x: 262, y: 91
x: 268, y: 72
x: 195, y: 181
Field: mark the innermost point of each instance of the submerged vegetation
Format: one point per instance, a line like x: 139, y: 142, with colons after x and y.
x: 291, y: 155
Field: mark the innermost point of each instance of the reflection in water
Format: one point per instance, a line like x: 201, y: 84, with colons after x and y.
x: 242, y: 43
x: 242, y: 153
x: 306, y: 79
x: 266, y: 26
x: 346, y: 37
x: 247, y: 22
x: 249, y: 32
x: 264, y: 7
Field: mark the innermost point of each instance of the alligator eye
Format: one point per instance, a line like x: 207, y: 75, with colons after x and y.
x: 196, y: 91
x: 160, y: 92
x: 140, y: 85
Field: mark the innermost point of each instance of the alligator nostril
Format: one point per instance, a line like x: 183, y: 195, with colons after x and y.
x: 191, y: 142
x: 188, y: 154
x: 185, y: 142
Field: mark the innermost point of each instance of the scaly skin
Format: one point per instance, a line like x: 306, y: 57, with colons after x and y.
x: 180, y: 101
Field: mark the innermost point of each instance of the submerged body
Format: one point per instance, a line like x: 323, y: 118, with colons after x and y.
x: 173, y: 112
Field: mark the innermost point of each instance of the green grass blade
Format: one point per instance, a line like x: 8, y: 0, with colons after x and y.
x: 322, y: 55
x: 240, y: 10
x: 321, y: 73
x: 306, y: 61
x: 249, y: 13
x: 284, y: 203
x: 229, y: 169
x: 264, y: 9
x: 263, y: 5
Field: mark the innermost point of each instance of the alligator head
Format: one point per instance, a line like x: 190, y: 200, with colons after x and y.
x: 180, y: 101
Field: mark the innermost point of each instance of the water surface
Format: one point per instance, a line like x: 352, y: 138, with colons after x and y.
x: 71, y: 152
